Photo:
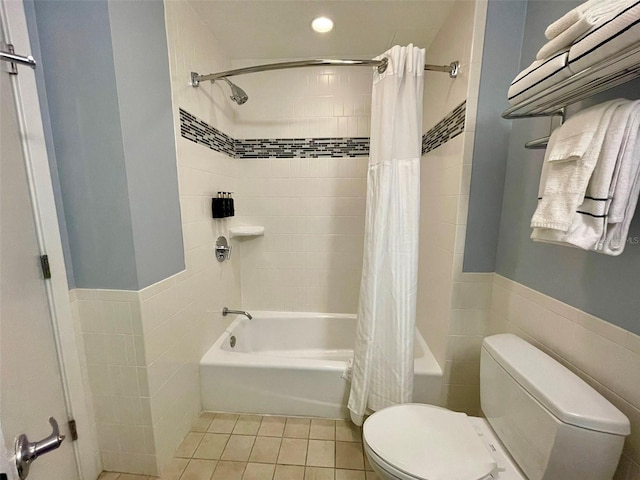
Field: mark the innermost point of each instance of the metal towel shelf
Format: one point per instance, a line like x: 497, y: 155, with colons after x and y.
x: 614, y: 71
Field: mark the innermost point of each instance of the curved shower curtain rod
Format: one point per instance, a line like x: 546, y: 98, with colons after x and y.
x: 452, y: 69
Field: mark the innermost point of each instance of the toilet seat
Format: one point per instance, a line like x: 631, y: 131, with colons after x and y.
x: 425, y: 442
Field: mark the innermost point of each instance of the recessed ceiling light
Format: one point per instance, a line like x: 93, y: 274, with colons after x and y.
x: 322, y: 24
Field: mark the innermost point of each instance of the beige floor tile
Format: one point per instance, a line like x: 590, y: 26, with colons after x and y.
x: 229, y: 470
x: 203, y: 422
x: 321, y: 453
x: 265, y: 450
x: 372, y: 476
x: 174, y: 469
x: 189, y: 445
x: 211, y: 446
x: 293, y: 451
x: 318, y: 473
x: 130, y: 476
x: 322, y: 429
x: 238, y: 448
x: 349, y: 474
x: 258, y: 471
x: 247, y: 425
x: 349, y: 455
x: 108, y: 476
x: 272, y: 426
x: 288, y: 472
x: 297, y: 427
x: 346, y: 431
x: 199, y: 470
x: 223, y: 423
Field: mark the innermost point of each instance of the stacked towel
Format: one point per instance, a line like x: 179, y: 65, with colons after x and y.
x: 564, y: 32
x: 590, y: 33
x: 591, y: 179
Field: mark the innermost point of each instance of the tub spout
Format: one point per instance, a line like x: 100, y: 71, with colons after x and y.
x: 226, y: 311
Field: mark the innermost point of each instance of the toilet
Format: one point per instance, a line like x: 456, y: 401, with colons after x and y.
x: 542, y: 422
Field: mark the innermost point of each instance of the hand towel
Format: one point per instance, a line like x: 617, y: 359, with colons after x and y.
x: 593, y: 8
x: 568, y: 19
x: 607, y: 39
x: 589, y: 226
x: 571, y: 162
x: 565, y: 39
x: 538, y: 76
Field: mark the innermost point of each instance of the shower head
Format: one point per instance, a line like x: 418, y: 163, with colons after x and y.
x: 237, y: 94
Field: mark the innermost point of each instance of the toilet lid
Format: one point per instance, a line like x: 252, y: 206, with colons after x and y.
x: 428, y: 442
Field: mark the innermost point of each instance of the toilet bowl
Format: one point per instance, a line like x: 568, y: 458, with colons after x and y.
x: 542, y: 423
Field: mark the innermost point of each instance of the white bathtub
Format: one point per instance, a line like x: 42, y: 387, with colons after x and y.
x: 292, y: 364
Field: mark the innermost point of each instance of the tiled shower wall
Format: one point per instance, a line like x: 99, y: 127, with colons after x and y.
x: 310, y: 258
x: 452, y: 308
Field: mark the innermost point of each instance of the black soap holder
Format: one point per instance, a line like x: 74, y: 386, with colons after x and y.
x: 222, y: 206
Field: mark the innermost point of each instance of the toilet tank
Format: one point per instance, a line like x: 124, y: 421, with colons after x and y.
x: 553, y: 424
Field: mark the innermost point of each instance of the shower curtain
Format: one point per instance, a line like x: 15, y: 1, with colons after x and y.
x: 382, y: 371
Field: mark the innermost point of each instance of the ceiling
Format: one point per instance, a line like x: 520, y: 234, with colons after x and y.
x: 263, y: 29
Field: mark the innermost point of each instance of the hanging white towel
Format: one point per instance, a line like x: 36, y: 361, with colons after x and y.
x: 571, y: 162
x: 589, y: 225
x: 625, y: 196
x: 382, y: 372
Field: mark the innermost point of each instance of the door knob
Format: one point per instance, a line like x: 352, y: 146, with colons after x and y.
x: 27, y: 452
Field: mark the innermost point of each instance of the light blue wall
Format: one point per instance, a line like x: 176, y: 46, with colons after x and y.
x: 601, y: 285
x: 500, y: 63
x: 141, y: 62
x: 109, y: 108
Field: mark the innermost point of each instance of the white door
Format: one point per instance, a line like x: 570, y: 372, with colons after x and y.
x: 31, y: 388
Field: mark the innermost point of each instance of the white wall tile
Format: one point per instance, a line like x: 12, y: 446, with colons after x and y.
x: 598, y: 353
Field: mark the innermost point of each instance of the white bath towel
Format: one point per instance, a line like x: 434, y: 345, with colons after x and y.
x: 589, y: 226
x: 571, y: 162
x: 538, y: 76
x: 607, y: 39
x: 625, y: 194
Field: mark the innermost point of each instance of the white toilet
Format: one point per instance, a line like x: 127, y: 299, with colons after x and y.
x: 543, y: 422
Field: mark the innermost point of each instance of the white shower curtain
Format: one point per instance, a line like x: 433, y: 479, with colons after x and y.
x: 382, y: 372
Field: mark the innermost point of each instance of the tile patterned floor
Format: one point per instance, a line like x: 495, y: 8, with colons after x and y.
x: 226, y: 446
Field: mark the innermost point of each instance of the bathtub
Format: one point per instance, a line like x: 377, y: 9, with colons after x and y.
x: 286, y: 363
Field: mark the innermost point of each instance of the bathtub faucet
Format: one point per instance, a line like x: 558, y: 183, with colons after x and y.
x: 226, y: 311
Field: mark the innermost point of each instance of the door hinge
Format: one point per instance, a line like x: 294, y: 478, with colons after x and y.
x: 44, y: 263
x: 13, y: 67
x: 73, y: 430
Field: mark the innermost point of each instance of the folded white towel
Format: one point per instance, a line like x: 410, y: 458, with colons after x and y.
x: 572, y: 160
x: 608, y: 38
x: 592, y: 7
x: 589, y: 226
x: 566, y: 38
x: 538, y: 76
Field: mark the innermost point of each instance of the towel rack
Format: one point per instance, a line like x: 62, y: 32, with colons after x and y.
x: 614, y: 71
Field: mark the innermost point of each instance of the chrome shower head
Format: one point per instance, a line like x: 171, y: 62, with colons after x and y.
x: 237, y: 94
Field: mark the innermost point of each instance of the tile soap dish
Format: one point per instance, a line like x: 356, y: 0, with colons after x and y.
x: 246, y: 231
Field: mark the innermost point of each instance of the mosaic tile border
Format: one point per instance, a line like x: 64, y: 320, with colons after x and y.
x: 303, y: 147
x: 199, y: 131
x: 449, y: 127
